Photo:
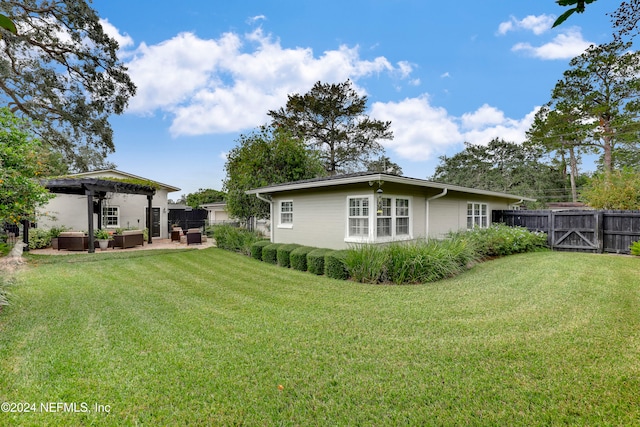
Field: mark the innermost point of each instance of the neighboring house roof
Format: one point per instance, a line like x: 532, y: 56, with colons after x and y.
x: 214, y: 205
x: 106, y: 172
x: 356, y: 178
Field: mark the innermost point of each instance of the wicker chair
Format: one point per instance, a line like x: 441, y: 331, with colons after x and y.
x: 73, y: 241
x: 194, y: 235
x: 129, y: 239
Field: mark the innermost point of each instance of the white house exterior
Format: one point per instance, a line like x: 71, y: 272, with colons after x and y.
x: 340, y: 211
x: 118, y: 210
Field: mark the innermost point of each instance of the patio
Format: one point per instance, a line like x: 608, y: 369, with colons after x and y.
x: 157, y: 244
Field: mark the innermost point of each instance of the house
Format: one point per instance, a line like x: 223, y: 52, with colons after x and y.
x: 121, y: 204
x: 343, y: 210
x: 216, y: 212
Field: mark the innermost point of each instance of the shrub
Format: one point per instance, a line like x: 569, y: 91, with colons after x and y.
x: 315, y: 261
x: 283, y: 254
x: 635, y: 248
x: 270, y: 253
x: 256, y: 249
x: 335, y: 266
x: 500, y: 239
x: 234, y: 238
x: 368, y: 263
x: 39, y: 238
x: 298, y: 257
x: 428, y: 261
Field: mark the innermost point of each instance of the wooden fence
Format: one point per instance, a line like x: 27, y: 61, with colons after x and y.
x: 579, y: 231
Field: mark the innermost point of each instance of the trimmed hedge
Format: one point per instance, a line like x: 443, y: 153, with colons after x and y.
x: 335, y: 266
x: 315, y: 261
x: 298, y: 257
x: 284, y: 252
x: 256, y: 249
x: 270, y: 253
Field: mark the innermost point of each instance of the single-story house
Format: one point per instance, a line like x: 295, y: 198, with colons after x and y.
x: 216, y: 212
x: 120, y: 209
x: 339, y: 211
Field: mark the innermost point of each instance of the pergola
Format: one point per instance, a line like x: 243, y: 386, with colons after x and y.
x: 96, y: 188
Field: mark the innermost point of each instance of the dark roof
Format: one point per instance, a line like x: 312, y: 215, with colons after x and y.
x: 94, y: 185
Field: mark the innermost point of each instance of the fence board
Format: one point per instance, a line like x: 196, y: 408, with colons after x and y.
x: 581, y: 231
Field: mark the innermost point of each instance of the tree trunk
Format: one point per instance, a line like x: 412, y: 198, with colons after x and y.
x: 573, y: 161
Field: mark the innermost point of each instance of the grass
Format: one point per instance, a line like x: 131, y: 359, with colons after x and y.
x: 207, y: 337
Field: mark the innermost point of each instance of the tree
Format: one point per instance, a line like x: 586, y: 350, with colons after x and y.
x: 504, y: 167
x: 620, y: 190
x: 330, y: 119
x: 203, y: 196
x: 579, y: 7
x: 601, y: 91
x: 21, y: 163
x: 383, y: 165
x: 264, y: 157
x: 561, y: 133
x: 61, y: 71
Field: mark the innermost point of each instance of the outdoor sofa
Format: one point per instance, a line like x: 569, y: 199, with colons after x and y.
x: 128, y: 239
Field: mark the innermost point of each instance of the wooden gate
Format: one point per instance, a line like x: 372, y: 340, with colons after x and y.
x: 579, y: 231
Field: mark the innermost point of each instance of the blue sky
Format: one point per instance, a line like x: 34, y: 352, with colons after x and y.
x: 443, y: 72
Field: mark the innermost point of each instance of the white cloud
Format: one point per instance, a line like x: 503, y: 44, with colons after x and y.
x: 423, y: 132
x: 124, y: 40
x: 564, y: 46
x: 229, y: 84
x: 536, y: 24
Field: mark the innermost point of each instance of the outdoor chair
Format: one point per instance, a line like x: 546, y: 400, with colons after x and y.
x: 128, y: 239
x: 194, y: 235
x: 176, y: 232
x: 73, y: 241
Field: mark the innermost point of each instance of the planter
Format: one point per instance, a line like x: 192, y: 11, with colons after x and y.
x: 104, y: 244
x: 54, y: 243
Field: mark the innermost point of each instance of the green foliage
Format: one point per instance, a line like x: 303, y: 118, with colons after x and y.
x: 619, y: 190
x: 298, y: 257
x: 20, y: 166
x: 501, y: 166
x: 39, y: 238
x: 267, y: 156
x: 335, y: 266
x: 270, y: 253
x: 315, y: 261
x: 635, y: 248
x: 368, y: 263
x: 256, y: 249
x: 203, y: 196
x: 579, y: 8
x: 500, y: 240
x: 284, y: 254
x: 70, y: 82
x: 101, y: 234
x: 234, y: 238
x: 55, y: 231
x: 331, y: 119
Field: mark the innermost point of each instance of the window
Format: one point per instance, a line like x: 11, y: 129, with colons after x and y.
x: 383, y: 228
x: 477, y: 215
x: 402, y: 217
x: 359, y: 217
x: 110, y: 216
x: 286, y: 213
x: 378, y: 218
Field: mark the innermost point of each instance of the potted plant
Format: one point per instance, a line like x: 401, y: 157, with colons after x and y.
x: 55, y: 233
x: 103, y: 237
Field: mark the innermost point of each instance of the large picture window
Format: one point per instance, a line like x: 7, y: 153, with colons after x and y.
x: 477, y: 215
x: 110, y: 216
x: 389, y: 216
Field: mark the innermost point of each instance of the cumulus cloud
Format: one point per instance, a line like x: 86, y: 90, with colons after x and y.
x: 537, y: 24
x: 564, y: 46
x: 228, y: 84
x: 124, y: 40
x: 423, y: 132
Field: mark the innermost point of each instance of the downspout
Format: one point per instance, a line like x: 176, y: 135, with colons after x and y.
x: 264, y: 199
x: 437, y: 196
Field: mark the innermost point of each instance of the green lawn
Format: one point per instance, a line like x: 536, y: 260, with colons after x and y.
x: 207, y: 337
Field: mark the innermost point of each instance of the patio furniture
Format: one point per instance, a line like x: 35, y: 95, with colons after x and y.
x: 176, y: 233
x: 128, y: 239
x: 73, y: 241
x: 194, y: 235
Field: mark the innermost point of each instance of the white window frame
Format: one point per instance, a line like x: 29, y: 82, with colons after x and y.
x: 476, y: 216
x: 105, y: 216
x: 282, y: 212
x: 372, y: 219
